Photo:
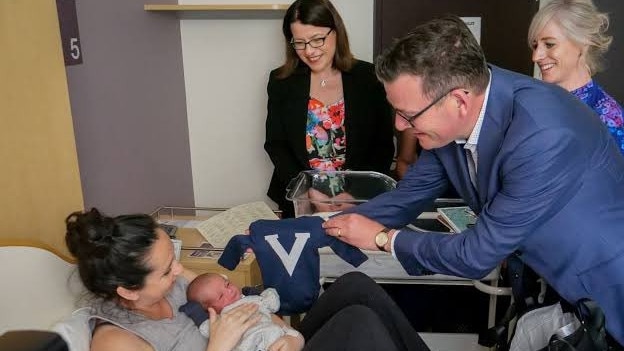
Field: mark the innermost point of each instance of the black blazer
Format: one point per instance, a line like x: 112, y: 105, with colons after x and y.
x: 368, y: 126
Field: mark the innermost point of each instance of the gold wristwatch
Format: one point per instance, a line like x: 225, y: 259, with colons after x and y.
x: 381, y: 239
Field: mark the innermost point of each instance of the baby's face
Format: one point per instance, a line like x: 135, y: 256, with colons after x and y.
x: 220, y: 293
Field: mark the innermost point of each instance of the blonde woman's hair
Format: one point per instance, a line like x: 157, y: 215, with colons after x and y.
x: 581, y: 22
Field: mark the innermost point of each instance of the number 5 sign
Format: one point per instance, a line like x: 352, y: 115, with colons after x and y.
x: 70, y: 38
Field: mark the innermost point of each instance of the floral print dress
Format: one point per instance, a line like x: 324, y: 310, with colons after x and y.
x: 326, y: 142
x: 606, y: 107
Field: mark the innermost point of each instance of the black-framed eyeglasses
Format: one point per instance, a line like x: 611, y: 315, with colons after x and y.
x: 410, y: 119
x: 314, y: 43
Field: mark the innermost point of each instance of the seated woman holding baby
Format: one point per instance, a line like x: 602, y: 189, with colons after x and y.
x: 128, y: 264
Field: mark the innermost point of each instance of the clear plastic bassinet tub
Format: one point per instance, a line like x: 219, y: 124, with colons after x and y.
x: 320, y: 192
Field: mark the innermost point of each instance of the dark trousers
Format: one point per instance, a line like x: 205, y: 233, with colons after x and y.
x: 355, y: 313
x: 613, y: 345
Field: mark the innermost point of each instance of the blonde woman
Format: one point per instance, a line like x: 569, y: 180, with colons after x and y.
x: 568, y: 38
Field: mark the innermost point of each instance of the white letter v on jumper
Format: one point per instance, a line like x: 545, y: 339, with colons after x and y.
x: 288, y: 259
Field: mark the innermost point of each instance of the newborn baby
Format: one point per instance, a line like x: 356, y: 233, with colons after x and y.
x: 216, y: 291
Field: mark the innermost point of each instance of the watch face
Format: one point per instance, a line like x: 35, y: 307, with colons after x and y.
x: 381, y: 239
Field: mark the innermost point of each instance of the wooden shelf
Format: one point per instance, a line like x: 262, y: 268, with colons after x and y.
x: 232, y: 7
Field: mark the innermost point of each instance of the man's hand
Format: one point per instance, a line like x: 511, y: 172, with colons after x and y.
x: 354, y: 229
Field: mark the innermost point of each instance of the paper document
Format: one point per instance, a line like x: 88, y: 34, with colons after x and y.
x: 457, y: 219
x: 218, y: 229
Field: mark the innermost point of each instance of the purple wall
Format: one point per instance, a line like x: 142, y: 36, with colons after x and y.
x: 129, y: 108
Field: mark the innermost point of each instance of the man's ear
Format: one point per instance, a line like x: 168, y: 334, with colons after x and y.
x: 462, y: 100
x: 130, y: 295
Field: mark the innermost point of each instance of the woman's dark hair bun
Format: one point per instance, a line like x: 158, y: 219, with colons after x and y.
x: 89, y: 233
x: 111, y: 252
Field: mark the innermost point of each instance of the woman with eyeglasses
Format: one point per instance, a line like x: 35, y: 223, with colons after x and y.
x: 326, y: 110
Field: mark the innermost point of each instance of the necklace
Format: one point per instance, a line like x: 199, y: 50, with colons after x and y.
x: 328, y: 78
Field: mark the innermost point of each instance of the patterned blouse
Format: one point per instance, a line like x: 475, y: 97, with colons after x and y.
x: 326, y: 140
x: 608, y: 109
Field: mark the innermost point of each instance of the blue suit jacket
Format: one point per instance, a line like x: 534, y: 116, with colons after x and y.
x: 550, y: 184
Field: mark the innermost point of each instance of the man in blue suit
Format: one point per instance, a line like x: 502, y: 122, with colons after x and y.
x: 536, y: 164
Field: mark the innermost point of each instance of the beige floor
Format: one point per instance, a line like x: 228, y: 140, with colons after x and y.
x: 452, y: 342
